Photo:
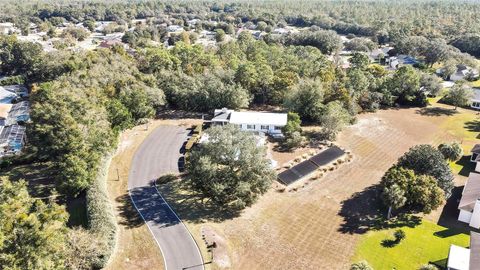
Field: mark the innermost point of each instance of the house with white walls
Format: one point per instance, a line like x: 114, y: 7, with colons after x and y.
x: 460, y: 258
x: 469, y: 204
x: 266, y: 122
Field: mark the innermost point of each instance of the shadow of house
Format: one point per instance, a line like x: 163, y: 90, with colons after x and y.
x: 440, y: 264
x: 449, y: 217
x: 466, y: 164
x: 364, y: 211
x: 435, y: 111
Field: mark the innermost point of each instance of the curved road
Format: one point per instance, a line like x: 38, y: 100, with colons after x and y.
x: 159, y: 154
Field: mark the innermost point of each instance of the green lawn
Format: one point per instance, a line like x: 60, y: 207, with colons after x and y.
x: 423, y: 243
x: 475, y: 83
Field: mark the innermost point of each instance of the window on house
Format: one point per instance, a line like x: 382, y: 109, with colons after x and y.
x: 263, y: 127
x: 250, y: 126
x: 278, y: 128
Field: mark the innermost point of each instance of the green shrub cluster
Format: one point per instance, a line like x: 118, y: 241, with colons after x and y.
x: 101, y: 218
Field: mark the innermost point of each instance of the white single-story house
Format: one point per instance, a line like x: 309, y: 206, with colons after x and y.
x: 460, y: 258
x: 469, y: 204
x: 475, y: 101
x: 270, y: 123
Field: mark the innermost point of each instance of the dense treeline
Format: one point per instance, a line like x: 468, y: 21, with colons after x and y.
x: 384, y: 20
x: 80, y: 102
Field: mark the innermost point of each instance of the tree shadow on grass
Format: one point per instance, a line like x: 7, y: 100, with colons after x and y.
x: 436, y: 111
x: 128, y: 214
x: 191, y: 206
x: 389, y: 243
x: 363, y: 212
x: 472, y: 126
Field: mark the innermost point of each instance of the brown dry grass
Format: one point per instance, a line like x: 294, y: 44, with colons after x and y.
x: 317, y: 227
x: 136, y: 248
x: 313, y: 228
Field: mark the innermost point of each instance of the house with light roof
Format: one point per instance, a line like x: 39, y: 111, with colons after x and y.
x: 266, y: 122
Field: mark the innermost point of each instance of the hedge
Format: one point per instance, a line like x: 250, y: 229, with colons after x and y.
x: 12, y: 80
x: 101, y: 217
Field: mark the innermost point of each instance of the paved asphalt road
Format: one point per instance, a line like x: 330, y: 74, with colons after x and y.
x: 158, y: 155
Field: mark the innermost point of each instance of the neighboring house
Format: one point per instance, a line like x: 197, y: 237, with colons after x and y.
x: 174, y: 28
x: 7, y: 28
x: 270, y: 123
x: 209, y: 35
x: 395, y: 62
x: 463, y: 72
x: 380, y: 53
x: 460, y: 258
x: 257, y: 34
x: 12, y: 139
x: 281, y: 31
x: 475, y: 101
x: 469, y: 204
x: 193, y: 22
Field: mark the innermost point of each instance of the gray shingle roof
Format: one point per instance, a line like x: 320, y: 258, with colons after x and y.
x: 471, y: 192
x: 474, y: 251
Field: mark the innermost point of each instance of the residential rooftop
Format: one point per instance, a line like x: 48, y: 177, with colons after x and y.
x: 471, y: 192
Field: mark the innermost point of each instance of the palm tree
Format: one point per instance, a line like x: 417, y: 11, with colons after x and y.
x: 394, y: 197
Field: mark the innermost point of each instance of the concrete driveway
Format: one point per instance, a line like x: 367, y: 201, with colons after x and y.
x: 160, y: 154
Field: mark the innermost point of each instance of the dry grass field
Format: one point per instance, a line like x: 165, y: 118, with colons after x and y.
x: 317, y: 227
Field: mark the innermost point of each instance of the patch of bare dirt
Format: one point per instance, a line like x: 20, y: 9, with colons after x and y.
x: 217, y: 246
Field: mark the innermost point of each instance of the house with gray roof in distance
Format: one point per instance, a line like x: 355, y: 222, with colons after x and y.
x: 469, y: 204
x: 460, y: 258
x: 463, y: 72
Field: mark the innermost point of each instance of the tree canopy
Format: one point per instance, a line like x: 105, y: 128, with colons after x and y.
x: 230, y: 169
x: 426, y: 160
x: 32, y: 232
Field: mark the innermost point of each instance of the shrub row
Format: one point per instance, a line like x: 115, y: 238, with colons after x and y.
x: 101, y: 217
